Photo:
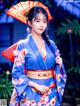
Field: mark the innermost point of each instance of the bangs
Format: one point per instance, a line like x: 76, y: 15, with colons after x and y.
x: 34, y: 13
x: 37, y: 16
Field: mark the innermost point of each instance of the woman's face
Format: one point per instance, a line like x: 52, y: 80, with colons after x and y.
x: 39, y: 24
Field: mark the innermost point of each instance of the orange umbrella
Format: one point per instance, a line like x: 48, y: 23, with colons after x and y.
x: 9, y: 52
x: 20, y: 10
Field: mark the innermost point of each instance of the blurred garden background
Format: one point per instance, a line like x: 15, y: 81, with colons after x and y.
x: 64, y: 29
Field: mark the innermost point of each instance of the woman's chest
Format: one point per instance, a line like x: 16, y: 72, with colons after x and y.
x: 34, y: 58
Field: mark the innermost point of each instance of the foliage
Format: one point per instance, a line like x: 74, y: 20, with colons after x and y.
x: 5, y: 86
x: 75, y: 69
x: 72, y: 29
x: 69, y: 27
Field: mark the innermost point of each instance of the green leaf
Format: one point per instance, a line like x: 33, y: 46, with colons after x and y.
x: 60, y: 31
x: 73, y: 25
x: 71, y: 69
x: 75, y: 70
x: 64, y: 25
x: 5, y: 86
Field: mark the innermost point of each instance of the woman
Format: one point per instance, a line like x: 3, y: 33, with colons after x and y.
x: 36, y: 80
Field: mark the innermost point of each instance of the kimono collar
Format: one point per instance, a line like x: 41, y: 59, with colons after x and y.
x: 37, y: 53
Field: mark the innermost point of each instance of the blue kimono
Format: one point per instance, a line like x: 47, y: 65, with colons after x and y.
x: 28, y: 57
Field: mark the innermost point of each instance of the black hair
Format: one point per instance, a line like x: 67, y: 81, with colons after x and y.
x: 35, y: 11
x: 33, y: 14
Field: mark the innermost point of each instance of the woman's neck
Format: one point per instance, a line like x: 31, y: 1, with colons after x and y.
x: 36, y: 36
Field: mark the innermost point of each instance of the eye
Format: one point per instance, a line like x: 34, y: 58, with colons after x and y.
x: 45, y: 21
x: 37, y: 21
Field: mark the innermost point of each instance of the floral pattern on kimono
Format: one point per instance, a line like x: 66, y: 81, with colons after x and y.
x: 27, y: 56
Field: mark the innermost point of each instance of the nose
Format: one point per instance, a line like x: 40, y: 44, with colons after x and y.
x: 41, y: 24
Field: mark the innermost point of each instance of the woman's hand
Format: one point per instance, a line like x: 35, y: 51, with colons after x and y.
x: 59, y: 61
x: 40, y: 88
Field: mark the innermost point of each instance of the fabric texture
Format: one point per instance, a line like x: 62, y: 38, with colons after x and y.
x: 27, y: 56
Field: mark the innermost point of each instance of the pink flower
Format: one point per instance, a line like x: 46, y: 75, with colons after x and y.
x: 69, y: 30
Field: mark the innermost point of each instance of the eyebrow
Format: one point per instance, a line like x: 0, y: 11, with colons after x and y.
x: 40, y: 19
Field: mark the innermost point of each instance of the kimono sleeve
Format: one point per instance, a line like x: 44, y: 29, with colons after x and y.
x: 19, y: 79
x: 60, y: 73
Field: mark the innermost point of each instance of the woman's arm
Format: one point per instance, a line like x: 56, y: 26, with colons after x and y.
x: 19, y: 79
x: 40, y: 88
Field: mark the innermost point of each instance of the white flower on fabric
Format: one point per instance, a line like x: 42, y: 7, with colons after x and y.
x: 16, y: 52
x: 63, y: 85
x: 24, y: 52
x: 53, y: 101
x: 20, y: 55
x: 57, y: 53
x: 34, y: 104
x: 20, y: 80
x: 58, y: 77
x: 48, y: 104
x: 17, y: 81
x: 27, y: 103
x: 19, y: 61
x: 62, y: 91
x: 64, y: 80
x: 44, y: 100
x: 14, y: 81
x: 59, y: 88
x: 39, y: 104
